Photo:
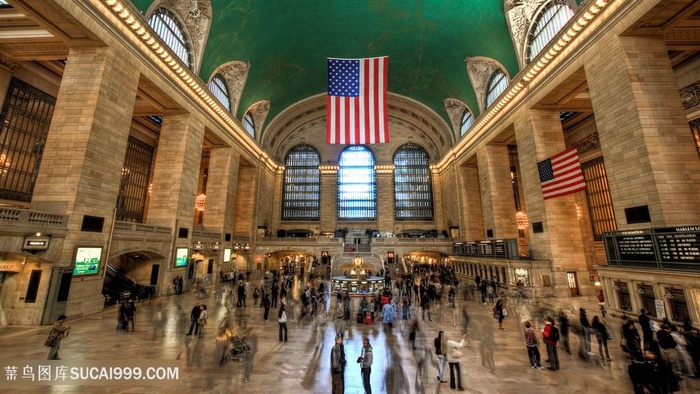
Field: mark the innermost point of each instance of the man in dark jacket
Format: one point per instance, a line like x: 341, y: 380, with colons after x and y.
x: 585, y: 330
x: 647, y: 332
x: 338, y: 366
x: 194, y: 317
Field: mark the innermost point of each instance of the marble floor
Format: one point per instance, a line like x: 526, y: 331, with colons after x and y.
x: 495, y: 361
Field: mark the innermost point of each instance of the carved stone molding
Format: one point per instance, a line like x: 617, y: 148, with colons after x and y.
x: 455, y: 108
x: 196, y: 15
x: 7, y: 62
x: 480, y: 70
x: 519, y: 16
x: 236, y: 74
x: 690, y: 95
x: 259, y: 112
x: 591, y: 143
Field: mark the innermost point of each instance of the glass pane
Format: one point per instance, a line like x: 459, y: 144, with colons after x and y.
x: 165, y: 24
x: 413, y: 194
x: 357, y: 194
x: 302, y: 184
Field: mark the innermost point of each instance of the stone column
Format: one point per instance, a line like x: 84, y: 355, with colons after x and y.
x: 649, y: 153
x: 539, y: 136
x: 385, y: 199
x: 472, y: 219
x: 83, y: 157
x: 497, y: 191
x: 221, y: 189
x: 329, y: 198
x: 176, y: 173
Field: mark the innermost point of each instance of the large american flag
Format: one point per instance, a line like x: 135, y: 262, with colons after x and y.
x: 356, y: 101
x: 561, y: 174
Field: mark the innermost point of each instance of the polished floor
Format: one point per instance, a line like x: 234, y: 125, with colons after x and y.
x: 495, y: 361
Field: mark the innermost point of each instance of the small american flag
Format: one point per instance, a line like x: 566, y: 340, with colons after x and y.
x: 561, y: 174
x: 357, y: 101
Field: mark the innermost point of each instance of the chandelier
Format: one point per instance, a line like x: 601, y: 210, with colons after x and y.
x: 199, y: 202
x: 521, y: 220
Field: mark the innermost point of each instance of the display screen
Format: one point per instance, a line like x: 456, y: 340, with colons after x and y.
x: 181, y: 257
x: 87, y: 260
x: 227, y: 255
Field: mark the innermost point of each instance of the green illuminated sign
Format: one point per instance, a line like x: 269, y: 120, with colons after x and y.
x: 87, y: 260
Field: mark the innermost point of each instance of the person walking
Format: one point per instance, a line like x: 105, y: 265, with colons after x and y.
x: 550, y: 333
x: 338, y: 366
x: 388, y: 315
x: 202, y: 321
x: 365, y: 361
x: 533, y: 351
x: 194, y: 317
x: 500, y: 310
x: 56, y: 335
x: 453, y: 357
x: 282, y: 315
x: 601, y: 335
x: 266, y: 304
x: 441, y: 352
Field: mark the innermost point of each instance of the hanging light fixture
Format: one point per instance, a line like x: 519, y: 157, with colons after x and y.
x: 521, y: 220
x: 669, y: 293
x: 199, y: 202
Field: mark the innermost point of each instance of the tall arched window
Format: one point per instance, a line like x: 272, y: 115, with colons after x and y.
x: 248, y: 124
x: 166, y: 25
x: 301, y: 198
x: 467, y: 121
x: 548, y: 22
x: 413, y: 190
x: 357, y: 184
x: 218, y: 88
x: 497, y: 84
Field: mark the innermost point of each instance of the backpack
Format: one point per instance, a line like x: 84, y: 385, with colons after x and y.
x: 554, y: 334
x: 438, y: 345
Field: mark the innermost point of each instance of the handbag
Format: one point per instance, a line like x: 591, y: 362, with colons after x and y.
x: 505, y: 312
x: 495, y: 315
x: 52, y: 339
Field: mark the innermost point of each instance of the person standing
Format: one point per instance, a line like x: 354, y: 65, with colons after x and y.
x: 130, y: 312
x: 601, y: 335
x: 647, y: 332
x: 365, y: 361
x: 266, y: 304
x: 585, y: 330
x: 564, y: 330
x: 58, y: 332
x: 453, y: 357
x: 441, y: 352
x: 668, y: 347
x: 550, y: 333
x: 533, y: 351
x: 282, y: 315
x: 338, y: 366
x: 194, y: 317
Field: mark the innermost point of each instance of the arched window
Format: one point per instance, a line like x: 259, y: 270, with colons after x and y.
x: 413, y: 190
x: 248, y: 124
x: 497, y: 84
x: 166, y: 25
x: 357, y: 184
x: 301, y: 198
x: 218, y: 88
x: 467, y: 121
x: 547, y: 24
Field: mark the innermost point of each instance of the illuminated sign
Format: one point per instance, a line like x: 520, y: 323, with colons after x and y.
x: 87, y: 260
x: 227, y: 255
x: 181, y: 257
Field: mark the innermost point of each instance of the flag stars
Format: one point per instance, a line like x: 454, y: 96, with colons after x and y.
x: 343, y: 77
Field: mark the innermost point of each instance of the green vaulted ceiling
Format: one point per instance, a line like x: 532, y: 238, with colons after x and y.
x: 287, y: 43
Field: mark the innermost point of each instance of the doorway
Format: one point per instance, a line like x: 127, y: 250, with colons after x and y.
x: 572, y: 282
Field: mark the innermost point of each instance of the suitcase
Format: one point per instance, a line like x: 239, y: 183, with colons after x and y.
x: 359, y: 318
x: 368, y: 319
